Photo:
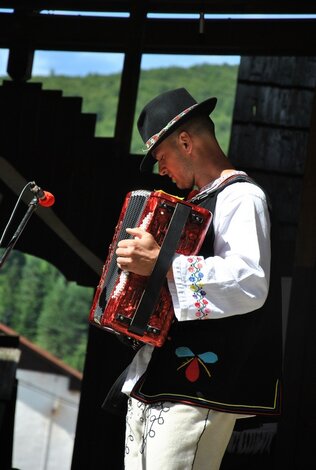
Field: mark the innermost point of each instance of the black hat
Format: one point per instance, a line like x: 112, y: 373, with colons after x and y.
x: 162, y: 115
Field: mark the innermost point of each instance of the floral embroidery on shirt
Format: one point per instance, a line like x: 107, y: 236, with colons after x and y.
x: 195, y: 277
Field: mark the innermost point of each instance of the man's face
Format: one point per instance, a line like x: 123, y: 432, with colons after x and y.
x: 174, y: 161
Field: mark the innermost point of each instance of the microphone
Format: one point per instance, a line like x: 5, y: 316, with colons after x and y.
x: 44, y: 198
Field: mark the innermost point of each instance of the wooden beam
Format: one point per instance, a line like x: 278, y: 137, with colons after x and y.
x: 220, y: 37
x: 129, y: 82
x: 169, y: 6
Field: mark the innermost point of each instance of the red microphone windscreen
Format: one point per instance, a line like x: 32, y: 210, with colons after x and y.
x: 48, y: 199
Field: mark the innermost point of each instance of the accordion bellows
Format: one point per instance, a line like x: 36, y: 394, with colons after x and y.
x: 137, y: 306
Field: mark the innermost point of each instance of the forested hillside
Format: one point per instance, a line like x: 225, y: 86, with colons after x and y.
x: 38, y: 302
x: 100, y: 94
x: 35, y: 298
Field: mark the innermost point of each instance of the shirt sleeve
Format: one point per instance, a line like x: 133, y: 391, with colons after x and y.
x: 236, y: 279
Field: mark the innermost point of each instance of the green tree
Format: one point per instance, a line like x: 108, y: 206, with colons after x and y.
x: 63, y: 323
x: 10, y: 274
x: 53, y: 318
x: 37, y: 277
x: 77, y: 358
x: 37, y: 301
x: 77, y: 305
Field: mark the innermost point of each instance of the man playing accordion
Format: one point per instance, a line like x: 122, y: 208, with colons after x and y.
x: 222, y: 358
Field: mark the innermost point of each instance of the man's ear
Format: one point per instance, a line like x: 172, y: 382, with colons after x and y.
x: 185, y: 141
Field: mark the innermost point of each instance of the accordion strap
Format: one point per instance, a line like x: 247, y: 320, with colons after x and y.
x: 155, y: 282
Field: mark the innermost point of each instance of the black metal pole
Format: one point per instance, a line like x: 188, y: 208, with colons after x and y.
x: 31, y: 208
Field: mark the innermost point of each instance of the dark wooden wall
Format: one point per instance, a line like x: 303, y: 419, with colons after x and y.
x: 271, y: 132
x: 46, y: 137
x: 273, y: 139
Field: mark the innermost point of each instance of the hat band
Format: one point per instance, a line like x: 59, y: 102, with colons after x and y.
x: 152, y: 140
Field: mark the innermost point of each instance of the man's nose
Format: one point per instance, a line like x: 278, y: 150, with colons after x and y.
x: 162, y: 169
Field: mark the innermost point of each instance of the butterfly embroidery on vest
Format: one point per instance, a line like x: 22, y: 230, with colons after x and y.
x: 193, y: 362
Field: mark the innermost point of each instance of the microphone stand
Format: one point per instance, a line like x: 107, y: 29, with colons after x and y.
x: 31, y: 208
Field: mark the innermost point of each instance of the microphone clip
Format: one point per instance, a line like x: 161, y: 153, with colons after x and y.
x: 36, y: 190
x: 44, y: 198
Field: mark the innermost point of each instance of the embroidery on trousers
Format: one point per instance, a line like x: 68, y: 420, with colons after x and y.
x: 151, y: 416
x: 193, y: 362
x: 129, y: 432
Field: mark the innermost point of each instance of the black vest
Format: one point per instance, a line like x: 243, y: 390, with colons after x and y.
x: 231, y: 364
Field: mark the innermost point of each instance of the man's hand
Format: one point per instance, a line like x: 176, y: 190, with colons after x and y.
x: 138, y: 254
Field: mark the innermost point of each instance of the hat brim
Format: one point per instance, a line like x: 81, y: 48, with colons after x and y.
x: 205, y: 107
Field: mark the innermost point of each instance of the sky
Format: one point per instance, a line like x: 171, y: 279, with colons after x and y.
x: 84, y: 63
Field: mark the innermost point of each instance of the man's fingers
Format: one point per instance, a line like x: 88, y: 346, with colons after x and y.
x: 137, y: 231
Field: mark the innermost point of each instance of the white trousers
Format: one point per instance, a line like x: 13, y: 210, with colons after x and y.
x: 172, y: 436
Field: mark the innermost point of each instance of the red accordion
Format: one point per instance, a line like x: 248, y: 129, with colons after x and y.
x: 136, y: 306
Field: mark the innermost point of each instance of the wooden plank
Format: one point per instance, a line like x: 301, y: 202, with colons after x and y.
x: 269, y: 149
x: 290, y: 71
x: 282, y: 191
x: 271, y: 105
